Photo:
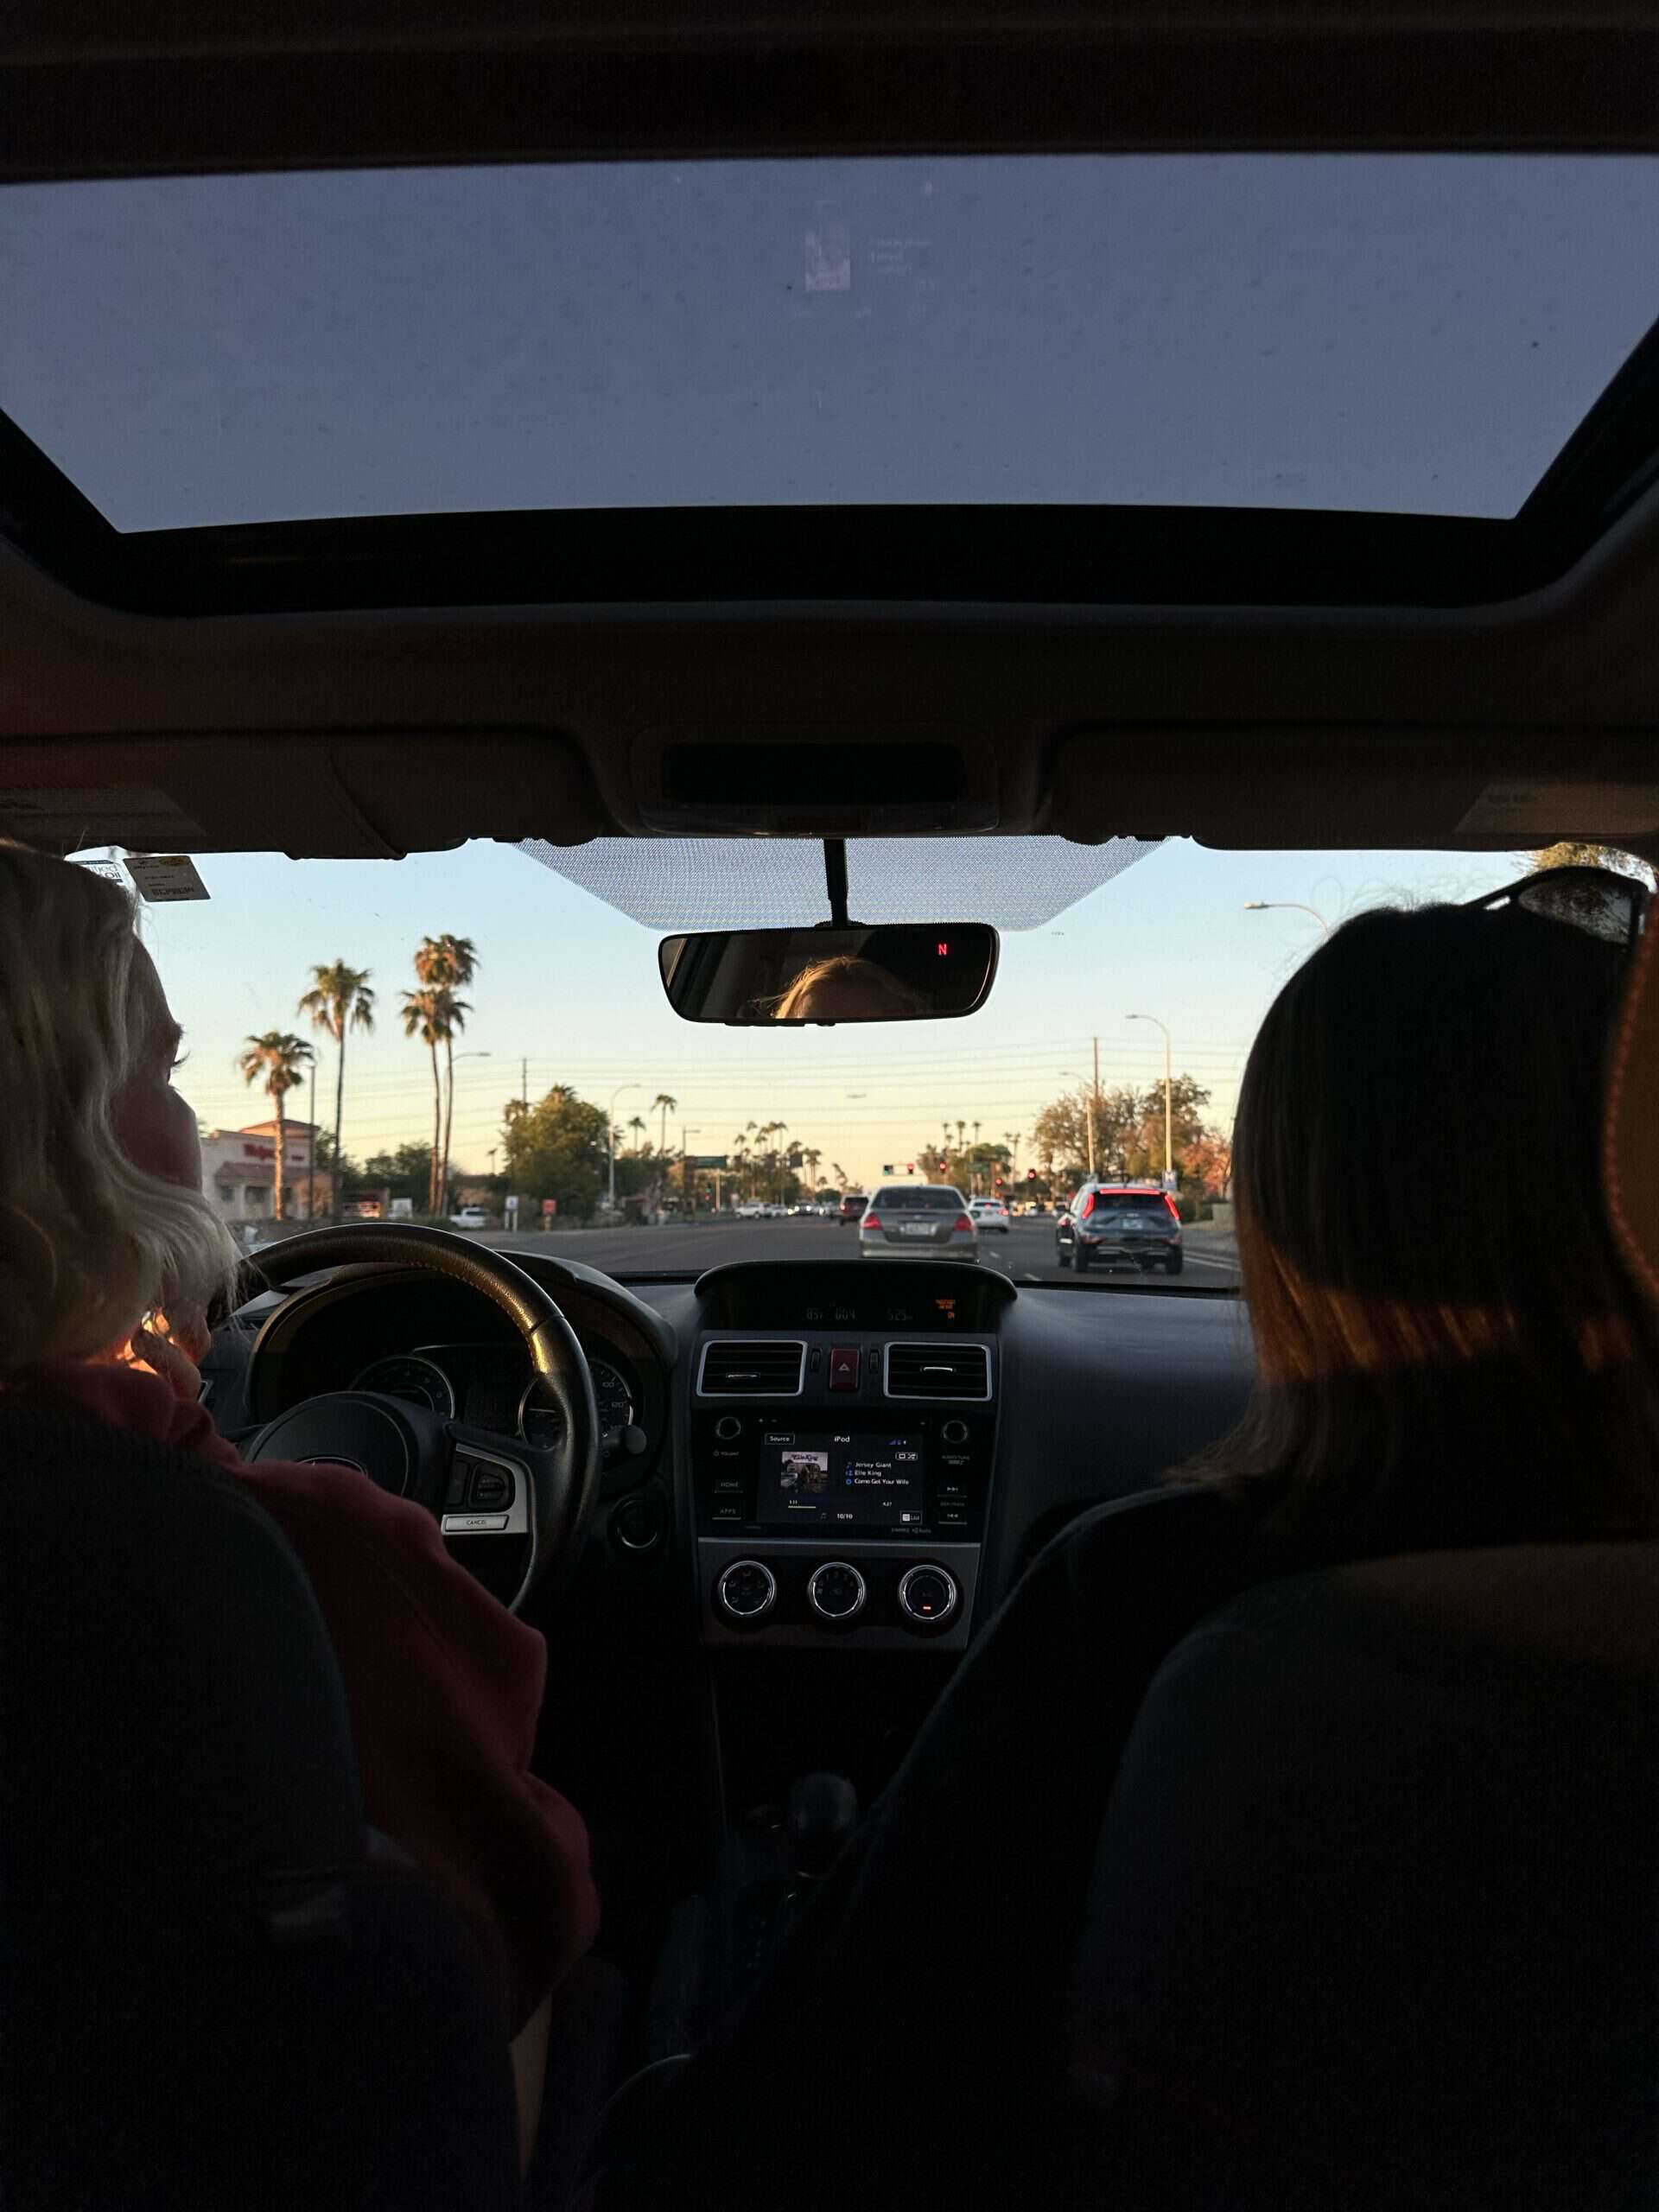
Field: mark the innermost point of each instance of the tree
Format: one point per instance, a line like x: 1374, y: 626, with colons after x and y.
x: 433, y: 1015
x: 669, y: 1106
x: 340, y: 999
x: 280, y: 1060
x: 638, y: 1129
x: 448, y: 964
x: 1207, y: 1164
x: 405, y: 1173
x: 1567, y: 854
x: 1129, y: 1129
x: 556, y: 1150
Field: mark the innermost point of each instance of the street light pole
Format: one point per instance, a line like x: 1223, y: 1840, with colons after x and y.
x: 1169, y: 1159
x: 1266, y: 905
x: 610, y: 1140
x: 686, y: 1136
x: 444, y: 1195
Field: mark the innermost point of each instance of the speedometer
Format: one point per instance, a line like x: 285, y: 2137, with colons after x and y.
x: 418, y: 1380
x: 541, y: 1422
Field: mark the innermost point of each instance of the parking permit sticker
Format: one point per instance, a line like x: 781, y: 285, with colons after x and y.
x: 160, y: 878
x: 1543, y: 807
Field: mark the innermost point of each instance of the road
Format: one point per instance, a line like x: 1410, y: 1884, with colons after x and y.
x: 1026, y: 1252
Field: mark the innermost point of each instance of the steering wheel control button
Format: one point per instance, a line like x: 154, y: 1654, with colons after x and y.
x: 492, y: 1489
x: 955, y: 1432
x: 455, y: 1490
x: 745, y: 1591
x: 927, y: 1597
x: 729, y: 1427
x: 473, y: 1524
x: 843, y: 1367
x: 836, y: 1591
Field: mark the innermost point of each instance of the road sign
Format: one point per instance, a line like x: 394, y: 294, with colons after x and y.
x: 512, y: 1209
x: 707, y: 1159
x: 550, y: 1207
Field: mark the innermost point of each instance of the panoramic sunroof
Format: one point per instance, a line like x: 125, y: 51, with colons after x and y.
x: 1401, y: 335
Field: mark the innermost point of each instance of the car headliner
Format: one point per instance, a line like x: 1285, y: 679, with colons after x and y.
x: 1089, y: 707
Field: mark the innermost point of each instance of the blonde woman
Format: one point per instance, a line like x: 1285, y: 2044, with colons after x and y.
x: 110, y: 1257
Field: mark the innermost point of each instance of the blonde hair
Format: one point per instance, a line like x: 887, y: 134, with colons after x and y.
x: 90, y: 1245
x: 887, y: 998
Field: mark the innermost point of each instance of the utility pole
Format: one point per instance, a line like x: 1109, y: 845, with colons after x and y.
x: 1094, y: 1104
x: 610, y: 1141
x: 311, y: 1187
x: 524, y: 1084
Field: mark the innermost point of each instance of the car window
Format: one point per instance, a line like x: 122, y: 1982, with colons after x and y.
x: 1130, y: 1202
x: 918, y: 1199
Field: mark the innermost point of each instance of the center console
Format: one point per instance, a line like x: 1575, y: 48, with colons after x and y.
x: 841, y: 1462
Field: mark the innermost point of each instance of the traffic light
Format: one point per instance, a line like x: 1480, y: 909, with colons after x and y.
x: 887, y: 1168
x: 1031, y: 1174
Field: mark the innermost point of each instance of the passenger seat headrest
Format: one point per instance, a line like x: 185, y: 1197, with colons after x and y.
x: 1631, y: 1131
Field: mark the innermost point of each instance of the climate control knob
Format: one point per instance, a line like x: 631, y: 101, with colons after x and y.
x: 927, y: 1597
x: 836, y: 1591
x: 745, y: 1591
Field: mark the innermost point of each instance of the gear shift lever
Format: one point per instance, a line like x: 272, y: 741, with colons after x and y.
x: 823, y: 1812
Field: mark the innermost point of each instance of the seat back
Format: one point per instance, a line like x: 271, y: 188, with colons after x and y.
x: 216, y: 1985
x: 1374, y: 1917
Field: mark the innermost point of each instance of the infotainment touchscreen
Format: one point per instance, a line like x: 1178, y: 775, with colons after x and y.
x: 826, y: 1480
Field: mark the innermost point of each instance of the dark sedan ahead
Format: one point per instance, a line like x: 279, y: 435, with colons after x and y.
x: 1116, y: 1225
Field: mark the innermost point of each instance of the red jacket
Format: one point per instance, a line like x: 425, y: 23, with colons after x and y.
x: 444, y: 1686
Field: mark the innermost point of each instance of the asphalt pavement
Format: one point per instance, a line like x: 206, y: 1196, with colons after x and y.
x: 1026, y: 1252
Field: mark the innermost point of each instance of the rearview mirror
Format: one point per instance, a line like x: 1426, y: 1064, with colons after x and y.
x: 901, y: 971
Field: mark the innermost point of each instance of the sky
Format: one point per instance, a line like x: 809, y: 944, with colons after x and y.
x: 571, y: 986
x: 1404, y: 333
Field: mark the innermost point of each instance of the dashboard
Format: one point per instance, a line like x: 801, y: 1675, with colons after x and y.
x: 797, y: 1454
x: 488, y: 1386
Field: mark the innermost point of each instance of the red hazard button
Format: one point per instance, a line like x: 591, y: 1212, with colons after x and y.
x: 843, y: 1367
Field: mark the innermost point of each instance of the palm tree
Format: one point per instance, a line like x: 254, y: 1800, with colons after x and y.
x: 341, y: 998
x: 434, y: 1015
x: 281, y: 1059
x: 638, y: 1129
x: 669, y: 1106
x: 839, y: 1173
x: 447, y: 963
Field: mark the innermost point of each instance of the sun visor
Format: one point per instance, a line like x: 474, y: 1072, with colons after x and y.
x: 316, y: 796
x: 693, y: 883
x: 1630, y: 1136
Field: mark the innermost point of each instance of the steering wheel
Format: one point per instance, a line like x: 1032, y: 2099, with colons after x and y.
x: 515, y: 1513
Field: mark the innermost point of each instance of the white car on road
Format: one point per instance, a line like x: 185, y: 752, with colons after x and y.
x: 989, y: 1213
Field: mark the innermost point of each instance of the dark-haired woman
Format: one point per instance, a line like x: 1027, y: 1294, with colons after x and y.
x: 1449, y: 1353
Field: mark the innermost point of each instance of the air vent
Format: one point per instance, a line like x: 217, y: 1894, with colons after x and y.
x: 770, y: 1368
x: 938, y: 1371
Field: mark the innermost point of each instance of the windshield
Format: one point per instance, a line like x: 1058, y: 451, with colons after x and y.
x: 502, y: 1015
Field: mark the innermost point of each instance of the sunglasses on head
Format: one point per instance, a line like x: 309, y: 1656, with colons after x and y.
x: 1598, y: 900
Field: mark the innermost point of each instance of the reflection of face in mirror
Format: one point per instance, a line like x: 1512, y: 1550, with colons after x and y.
x: 845, y: 989
x: 890, y: 971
